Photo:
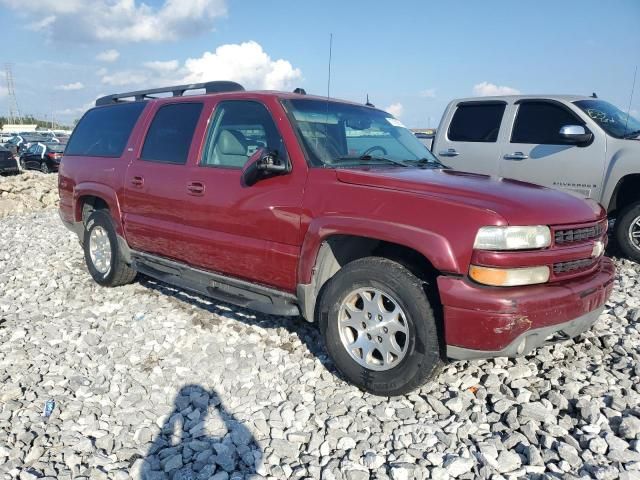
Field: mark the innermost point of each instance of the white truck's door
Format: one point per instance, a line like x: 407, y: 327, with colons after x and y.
x: 469, y: 135
x: 535, y: 152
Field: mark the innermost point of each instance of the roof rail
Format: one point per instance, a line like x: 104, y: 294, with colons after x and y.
x: 177, y: 91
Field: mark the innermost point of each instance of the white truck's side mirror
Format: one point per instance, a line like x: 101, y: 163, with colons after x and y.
x: 577, y: 134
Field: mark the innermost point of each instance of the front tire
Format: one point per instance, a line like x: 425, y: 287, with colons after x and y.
x: 627, y: 231
x: 379, y: 327
x: 102, y: 253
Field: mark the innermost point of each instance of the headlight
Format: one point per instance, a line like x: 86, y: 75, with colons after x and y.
x: 509, y: 277
x: 513, y: 238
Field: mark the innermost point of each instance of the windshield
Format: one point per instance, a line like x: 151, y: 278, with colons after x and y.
x: 339, y: 135
x: 612, y: 120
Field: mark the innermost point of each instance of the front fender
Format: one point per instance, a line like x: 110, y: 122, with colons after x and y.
x: 624, y: 162
x: 432, y: 246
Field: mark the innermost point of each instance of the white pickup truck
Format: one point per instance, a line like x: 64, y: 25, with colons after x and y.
x: 583, y: 145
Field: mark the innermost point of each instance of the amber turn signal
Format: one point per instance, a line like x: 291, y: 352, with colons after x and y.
x: 509, y: 277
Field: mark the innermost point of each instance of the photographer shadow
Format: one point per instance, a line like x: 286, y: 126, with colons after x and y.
x: 201, y: 440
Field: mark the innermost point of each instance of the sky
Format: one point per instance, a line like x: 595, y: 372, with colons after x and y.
x: 410, y: 57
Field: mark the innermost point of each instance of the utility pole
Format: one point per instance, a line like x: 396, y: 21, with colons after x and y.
x: 14, y: 111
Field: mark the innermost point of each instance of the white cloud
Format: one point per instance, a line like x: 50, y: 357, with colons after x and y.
x: 125, y: 77
x: 246, y: 63
x: 163, y: 66
x: 3, y: 91
x: 486, y: 89
x: 119, y: 20
x: 428, y: 93
x: 395, y: 109
x: 108, y: 55
x: 633, y: 112
x: 70, y: 86
x: 42, y: 24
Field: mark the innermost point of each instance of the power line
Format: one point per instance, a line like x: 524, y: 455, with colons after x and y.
x: 14, y: 111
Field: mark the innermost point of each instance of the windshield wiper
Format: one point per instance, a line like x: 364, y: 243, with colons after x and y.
x: 433, y: 161
x: 633, y: 134
x: 369, y: 158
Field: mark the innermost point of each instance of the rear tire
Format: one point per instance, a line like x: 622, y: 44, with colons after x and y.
x: 627, y: 231
x: 359, y: 310
x: 44, y: 168
x: 102, y: 253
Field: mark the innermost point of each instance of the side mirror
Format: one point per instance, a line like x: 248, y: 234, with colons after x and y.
x: 576, y: 134
x: 263, y: 164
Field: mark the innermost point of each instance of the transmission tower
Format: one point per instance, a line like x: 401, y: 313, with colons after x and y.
x: 14, y: 111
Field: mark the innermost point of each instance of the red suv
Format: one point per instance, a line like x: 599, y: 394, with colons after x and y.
x: 291, y: 204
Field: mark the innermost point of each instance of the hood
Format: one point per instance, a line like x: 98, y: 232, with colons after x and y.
x: 519, y: 203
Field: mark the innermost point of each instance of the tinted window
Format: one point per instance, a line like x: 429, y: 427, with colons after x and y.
x: 237, y: 131
x: 476, y: 122
x: 170, y: 134
x: 540, y: 123
x: 104, y: 131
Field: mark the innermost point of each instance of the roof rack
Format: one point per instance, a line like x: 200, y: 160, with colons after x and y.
x: 177, y: 91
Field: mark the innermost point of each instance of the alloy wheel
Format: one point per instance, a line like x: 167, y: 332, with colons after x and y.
x: 373, y: 329
x: 100, y: 249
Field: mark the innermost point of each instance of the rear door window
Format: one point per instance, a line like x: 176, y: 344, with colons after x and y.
x: 171, y: 132
x: 105, y: 131
x: 476, y: 122
x: 540, y: 123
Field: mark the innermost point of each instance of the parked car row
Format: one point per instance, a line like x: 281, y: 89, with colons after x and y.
x: 33, y: 151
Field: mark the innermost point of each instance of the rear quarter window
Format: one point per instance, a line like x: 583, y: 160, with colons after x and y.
x: 476, y: 122
x: 104, y: 131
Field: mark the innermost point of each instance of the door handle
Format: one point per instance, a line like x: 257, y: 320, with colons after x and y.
x: 195, y: 188
x: 137, y: 181
x: 450, y: 152
x: 516, y: 156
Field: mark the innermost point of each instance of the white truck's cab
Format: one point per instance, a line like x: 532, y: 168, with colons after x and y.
x: 582, y: 145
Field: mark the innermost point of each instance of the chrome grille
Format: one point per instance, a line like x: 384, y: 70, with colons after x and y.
x: 571, y: 235
x: 573, y: 265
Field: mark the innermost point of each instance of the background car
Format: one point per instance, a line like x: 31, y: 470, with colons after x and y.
x: 5, y: 137
x: 42, y: 156
x: 8, y: 163
x: 20, y: 142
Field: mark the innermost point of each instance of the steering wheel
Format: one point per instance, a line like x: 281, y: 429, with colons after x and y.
x: 370, y: 150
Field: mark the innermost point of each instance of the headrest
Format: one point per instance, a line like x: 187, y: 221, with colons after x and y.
x: 232, y: 142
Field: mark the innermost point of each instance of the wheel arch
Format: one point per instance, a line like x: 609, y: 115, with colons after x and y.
x: 626, y: 192
x: 323, y: 255
x: 93, y: 196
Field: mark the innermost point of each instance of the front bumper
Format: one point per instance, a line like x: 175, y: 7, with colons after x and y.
x: 484, y: 322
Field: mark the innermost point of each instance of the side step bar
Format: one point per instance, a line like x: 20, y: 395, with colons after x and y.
x: 231, y: 290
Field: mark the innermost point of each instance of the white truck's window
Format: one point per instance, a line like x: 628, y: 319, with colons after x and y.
x: 476, y: 122
x: 540, y: 123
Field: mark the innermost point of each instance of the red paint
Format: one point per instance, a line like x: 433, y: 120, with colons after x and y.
x: 270, y: 233
x: 484, y: 318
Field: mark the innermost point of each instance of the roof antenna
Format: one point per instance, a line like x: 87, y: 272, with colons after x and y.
x: 633, y: 86
x: 329, y: 76
x: 326, y: 126
x: 369, y: 104
x: 593, y: 95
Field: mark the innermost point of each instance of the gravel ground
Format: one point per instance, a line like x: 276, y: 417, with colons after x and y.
x: 152, y: 383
